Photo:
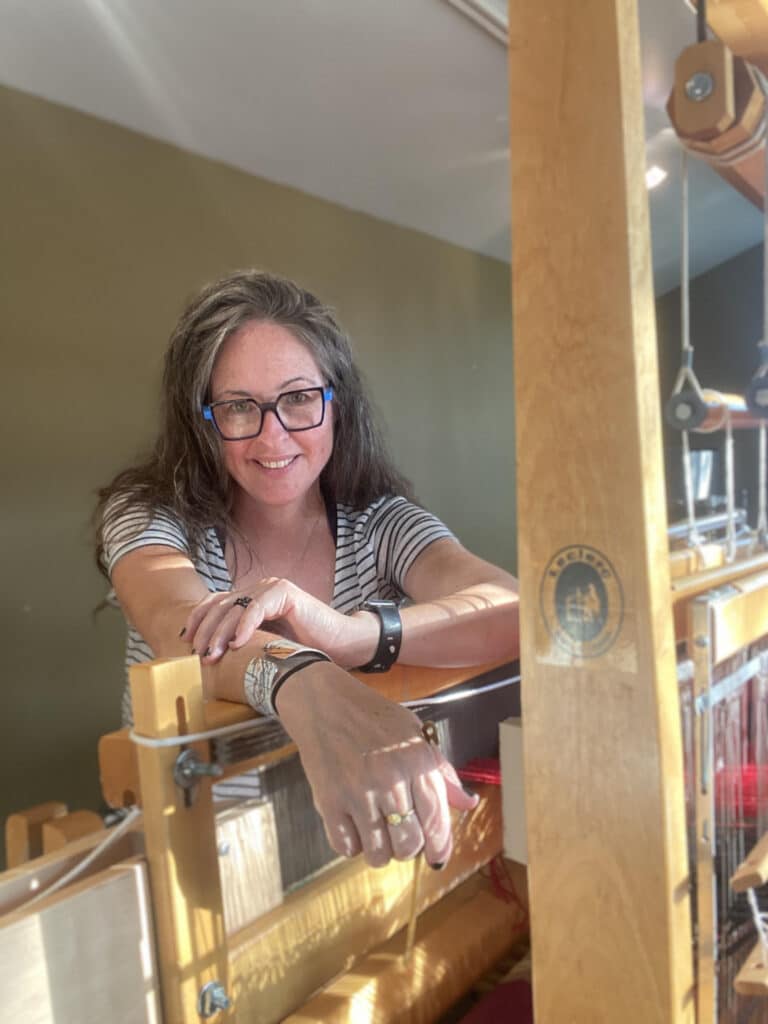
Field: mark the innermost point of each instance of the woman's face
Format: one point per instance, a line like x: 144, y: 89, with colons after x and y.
x: 261, y: 360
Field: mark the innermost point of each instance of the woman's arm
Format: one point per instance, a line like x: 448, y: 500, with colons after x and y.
x: 465, y: 612
x: 363, y: 755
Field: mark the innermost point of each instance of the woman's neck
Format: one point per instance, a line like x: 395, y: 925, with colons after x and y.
x: 256, y: 517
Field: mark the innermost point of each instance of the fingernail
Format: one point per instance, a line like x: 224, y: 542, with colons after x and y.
x: 181, y: 634
x: 438, y: 865
x: 194, y: 651
x: 469, y: 792
x: 207, y: 652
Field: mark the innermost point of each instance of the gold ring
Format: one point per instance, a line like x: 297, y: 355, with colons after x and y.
x: 397, y: 819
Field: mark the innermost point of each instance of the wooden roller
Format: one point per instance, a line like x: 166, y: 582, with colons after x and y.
x: 716, y: 108
x: 709, y: 411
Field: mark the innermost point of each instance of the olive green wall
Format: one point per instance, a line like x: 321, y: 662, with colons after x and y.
x: 104, y: 234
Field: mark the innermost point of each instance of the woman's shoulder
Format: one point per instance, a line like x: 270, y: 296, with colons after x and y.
x: 128, y: 524
x: 360, y: 517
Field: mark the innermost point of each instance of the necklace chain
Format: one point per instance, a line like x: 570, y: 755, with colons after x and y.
x: 296, y: 562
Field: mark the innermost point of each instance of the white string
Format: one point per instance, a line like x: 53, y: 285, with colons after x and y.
x: 448, y: 698
x: 196, y: 737
x: 730, y: 488
x: 684, y: 258
x: 760, y: 919
x: 114, y: 834
x: 686, y: 373
x: 737, y: 153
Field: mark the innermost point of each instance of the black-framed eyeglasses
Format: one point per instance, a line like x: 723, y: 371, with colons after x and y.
x: 239, y: 418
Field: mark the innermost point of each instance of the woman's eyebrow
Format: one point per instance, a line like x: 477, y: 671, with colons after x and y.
x: 236, y: 393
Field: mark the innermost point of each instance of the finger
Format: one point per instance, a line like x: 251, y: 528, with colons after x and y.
x: 270, y: 603
x: 199, y: 612
x: 431, y: 803
x: 342, y: 834
x: 247, y: 625
x: 240, y: 621
x: 206, y: 627
x: 373, y: 832
x: 223, y: 632
x: 405, y: 833
x: 459, y: 797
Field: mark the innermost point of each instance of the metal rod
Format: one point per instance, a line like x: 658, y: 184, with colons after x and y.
x: 706, y: 524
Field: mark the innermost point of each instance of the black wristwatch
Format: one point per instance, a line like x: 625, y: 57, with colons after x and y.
x: 390, y: 637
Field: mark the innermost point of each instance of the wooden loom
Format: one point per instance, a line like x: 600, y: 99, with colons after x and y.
x: 609, y: 873
x: 274, y: 961
x: 604, y: 765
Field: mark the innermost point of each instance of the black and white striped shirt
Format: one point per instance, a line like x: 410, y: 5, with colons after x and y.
x: 375, y: 548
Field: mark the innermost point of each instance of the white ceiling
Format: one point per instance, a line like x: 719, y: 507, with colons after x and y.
x: 397, y: 108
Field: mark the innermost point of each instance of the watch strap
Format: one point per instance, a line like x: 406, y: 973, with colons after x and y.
x: 390, y: 635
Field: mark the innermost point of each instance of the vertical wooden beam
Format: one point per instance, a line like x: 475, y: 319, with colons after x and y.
x: 604, y: 786
x: 180, y: 840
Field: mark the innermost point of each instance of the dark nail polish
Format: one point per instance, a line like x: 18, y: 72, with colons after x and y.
x: 181, y: 634
x: 438, y: 865
x: 207, y: 652
x: 469, y: 792
x: 194, y: 651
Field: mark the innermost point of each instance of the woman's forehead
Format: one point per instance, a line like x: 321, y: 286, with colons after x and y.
x: 266, y: 355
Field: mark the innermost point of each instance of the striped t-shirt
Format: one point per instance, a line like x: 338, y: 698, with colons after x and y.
x: 375, y: 548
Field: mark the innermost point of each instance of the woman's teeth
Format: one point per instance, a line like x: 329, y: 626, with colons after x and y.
x: 275, y: 463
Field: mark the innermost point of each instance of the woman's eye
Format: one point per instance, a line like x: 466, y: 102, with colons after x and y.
x: 298, y: 397
x: 239, y: 408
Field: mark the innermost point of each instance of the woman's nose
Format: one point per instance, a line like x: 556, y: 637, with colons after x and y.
x: 271, y: 425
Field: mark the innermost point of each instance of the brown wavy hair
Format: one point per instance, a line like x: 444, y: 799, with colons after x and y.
x: 185, y: 473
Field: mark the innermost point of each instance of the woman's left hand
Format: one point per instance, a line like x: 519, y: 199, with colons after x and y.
x: 379, y: 787
x: 228, y: 620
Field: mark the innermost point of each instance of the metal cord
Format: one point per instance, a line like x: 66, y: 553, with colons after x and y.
x: 701, y: 21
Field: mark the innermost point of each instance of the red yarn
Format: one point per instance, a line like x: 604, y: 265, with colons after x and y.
x: 482, y: 769
x: 511, y: 1001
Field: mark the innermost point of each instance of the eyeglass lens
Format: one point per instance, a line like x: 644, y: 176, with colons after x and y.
x: 296, y: 410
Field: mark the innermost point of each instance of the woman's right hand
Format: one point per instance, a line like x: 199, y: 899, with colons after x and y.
x: 228, y: 620
x: 365, y: 759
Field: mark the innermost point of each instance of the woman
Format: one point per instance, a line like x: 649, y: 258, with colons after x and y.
x: 267, y: 520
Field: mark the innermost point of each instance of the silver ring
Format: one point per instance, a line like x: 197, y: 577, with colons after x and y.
x: 242, y: 602
x: 395, y: 818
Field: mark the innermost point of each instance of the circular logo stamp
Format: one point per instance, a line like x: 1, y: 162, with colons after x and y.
x: 582, y: 601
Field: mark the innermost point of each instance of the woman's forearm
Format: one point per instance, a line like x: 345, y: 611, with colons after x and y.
x: 475, y: 625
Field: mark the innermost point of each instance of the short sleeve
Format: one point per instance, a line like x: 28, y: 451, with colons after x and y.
x: 400, y: 531
x: 127, y: 528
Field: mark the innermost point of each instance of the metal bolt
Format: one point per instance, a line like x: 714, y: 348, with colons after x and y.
x: 188, y: 768
x: 212, y: 998
x: 683, y: 411
x: 699, y: 86
x: 702, y: 641
x: 223, y: 848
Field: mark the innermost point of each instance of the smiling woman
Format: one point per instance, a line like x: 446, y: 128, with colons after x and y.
x: 270, y: 534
